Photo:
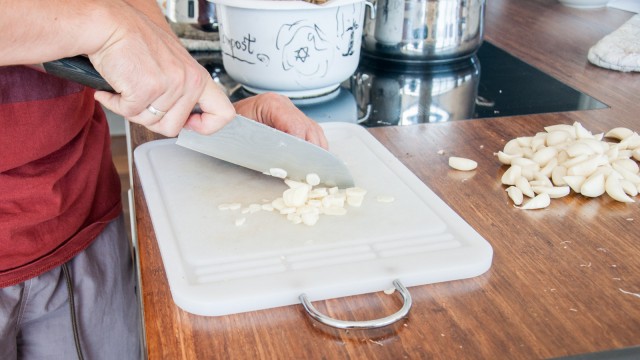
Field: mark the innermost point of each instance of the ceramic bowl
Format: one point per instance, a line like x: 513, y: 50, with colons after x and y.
x: 294, y: 48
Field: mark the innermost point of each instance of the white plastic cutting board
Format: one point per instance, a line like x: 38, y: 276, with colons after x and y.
x: 216, y: 268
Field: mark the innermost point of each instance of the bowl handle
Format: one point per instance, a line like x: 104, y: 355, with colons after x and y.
x: 365, y: 324
x: 372, y: 9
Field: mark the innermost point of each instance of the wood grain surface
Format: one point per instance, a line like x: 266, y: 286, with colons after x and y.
x: 562, y: 281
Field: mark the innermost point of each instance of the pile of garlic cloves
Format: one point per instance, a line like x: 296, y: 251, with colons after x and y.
x: 567, y: 158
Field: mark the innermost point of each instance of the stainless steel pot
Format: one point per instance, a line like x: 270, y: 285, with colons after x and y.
x: 424, y: 30
x: 389, y: 94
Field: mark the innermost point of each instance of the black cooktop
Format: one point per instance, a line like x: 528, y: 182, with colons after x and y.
x: 490, y: 84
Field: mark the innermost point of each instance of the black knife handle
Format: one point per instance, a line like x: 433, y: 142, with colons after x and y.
x: 78, y: 69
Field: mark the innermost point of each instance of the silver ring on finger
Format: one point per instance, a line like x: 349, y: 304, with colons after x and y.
x: 156, y: 112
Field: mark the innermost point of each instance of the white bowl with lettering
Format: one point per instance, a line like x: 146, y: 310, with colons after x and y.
x: 291, y: 47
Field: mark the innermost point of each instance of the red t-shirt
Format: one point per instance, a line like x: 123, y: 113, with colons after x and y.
x: 58, y: 185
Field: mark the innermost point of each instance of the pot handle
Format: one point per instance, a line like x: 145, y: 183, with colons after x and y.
x: 365, y: 324
x: 372, y: 9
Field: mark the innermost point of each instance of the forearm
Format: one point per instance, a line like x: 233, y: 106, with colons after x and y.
x: 34, y: 32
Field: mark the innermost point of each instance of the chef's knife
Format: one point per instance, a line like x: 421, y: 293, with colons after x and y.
x: 242, y: 142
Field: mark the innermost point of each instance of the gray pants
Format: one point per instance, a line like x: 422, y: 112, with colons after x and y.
x: 35, y: 319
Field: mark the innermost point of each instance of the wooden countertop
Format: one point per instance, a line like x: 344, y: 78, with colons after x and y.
x: 562, y: 279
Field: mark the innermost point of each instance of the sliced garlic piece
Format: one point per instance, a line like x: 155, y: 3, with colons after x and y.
x: 541, y: 201
x: 515, y: 194
x: 240, y: 221
x: 313, y: 179
x: 462, y: 164
x: 385, y: 198
x: 277, y: 172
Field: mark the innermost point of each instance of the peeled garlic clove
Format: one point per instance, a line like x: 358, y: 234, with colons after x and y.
x: 619, y: 133
x: 525, y: 188
x: 544, y: 155
x: 557, y: 137
x: 462, y: 164
x: 628, y: 164
x: 557, y: 175
x: 554, y: 192
x: 511, y: 175
x: 512, y: 147
x: 593, y: 186
x: 630, y: 142
x: 581, y: 132
x: 613, y: 187
x: 634, y: 178
x: 525, y: 162
x: 577, y: 149
x: 547, y: 170
x: 562, y: 127
x: 541, y: 201
x: 524, y: 141
x: 515, y: 195
x: 587, y: 167
x: 571, y: 161
x: 505, y: 158
x: 628, y: 187
x: 575, y: 182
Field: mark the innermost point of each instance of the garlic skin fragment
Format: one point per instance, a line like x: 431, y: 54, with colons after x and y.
x: 515, y: 195
x: 541, y: 201
x: 462, y: 164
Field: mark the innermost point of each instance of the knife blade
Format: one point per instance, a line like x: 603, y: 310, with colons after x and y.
x: 242, y: 141
x: 259, y: 147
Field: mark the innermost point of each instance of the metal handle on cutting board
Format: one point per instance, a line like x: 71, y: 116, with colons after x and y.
x: 365, y: 324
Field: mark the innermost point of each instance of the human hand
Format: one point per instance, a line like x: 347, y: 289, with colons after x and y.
x: 279, y: 112
x: 150, y: 69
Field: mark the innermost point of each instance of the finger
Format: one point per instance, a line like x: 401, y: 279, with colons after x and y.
x: 217, y: 111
